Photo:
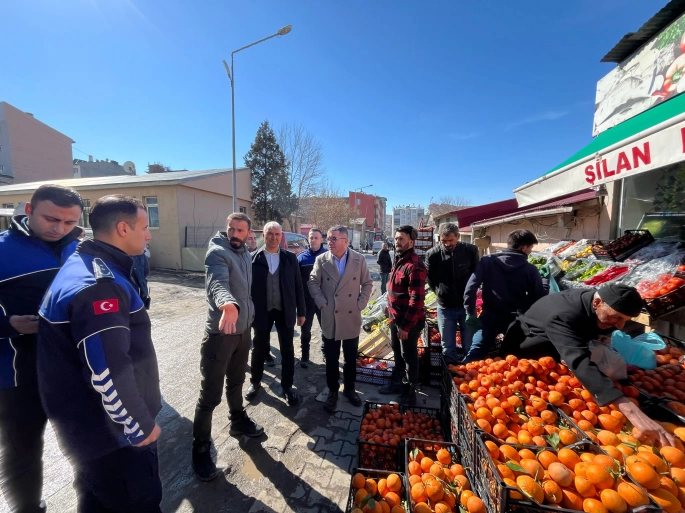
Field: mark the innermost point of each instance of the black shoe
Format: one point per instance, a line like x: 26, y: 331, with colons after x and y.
x: 391, y: 388
x: 304, y: 364
x: 269, y: 360
x: 331, y: 402
x: 252, y: 390
x: 244, y: 425
x: 204, y: 467
x: 352, y: 396
x: 291, y: 397
x: 408, y: 397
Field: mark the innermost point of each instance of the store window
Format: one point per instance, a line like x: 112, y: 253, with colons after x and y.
x: 152, y: 211
x: 85, y: 215
x: 655, y: 201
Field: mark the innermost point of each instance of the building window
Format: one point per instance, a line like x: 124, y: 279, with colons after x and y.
x: 2, y: 168
x: 152, y: 211
x: 76, y: 173
x: 243, y: 210
x: 8, y: 205
x: 85, y: 215
x: 359, y: 202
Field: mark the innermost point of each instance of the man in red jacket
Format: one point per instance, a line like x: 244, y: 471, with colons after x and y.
x: 406, y: 294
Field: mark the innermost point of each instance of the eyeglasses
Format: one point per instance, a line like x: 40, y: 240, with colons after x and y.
x: 336, y: 239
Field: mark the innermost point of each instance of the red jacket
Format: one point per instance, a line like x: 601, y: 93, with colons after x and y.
x: 407, y: 291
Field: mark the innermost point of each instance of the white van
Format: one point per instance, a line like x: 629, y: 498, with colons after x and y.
x: 377, y: 246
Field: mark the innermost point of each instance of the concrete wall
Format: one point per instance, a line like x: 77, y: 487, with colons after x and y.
x: 223, y: 184
x: 193, y: 259
x: 592, y: 222
x: 37, y: 151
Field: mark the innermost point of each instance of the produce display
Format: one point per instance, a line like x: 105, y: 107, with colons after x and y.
x: 664, y: 284
x: 587, y: 272
x: 438, y: 481
x: 624, y: 246
x: 612, y: 273
x: 386, y: 425
x: 537, y: 261
x: 562, y: 248
x: 667, y: 380
x: 377, y: 491
x: 373, y: 363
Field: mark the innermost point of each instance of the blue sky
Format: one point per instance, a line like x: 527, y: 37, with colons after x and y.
x: 420, y: 98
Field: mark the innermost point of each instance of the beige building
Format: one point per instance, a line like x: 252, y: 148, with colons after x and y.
x: 186, y: 208
x: 30, y: 150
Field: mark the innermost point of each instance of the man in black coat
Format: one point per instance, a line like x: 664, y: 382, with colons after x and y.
x: 449, y: 266
x: 562, y: 325
x: 385, y: 262
x: 278, y: 299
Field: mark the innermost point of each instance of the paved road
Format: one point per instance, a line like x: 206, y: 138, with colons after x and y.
x: 301, y: 464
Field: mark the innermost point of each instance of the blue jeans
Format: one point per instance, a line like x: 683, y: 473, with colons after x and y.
x: 484, y: 340
x: 384, y: 282
x: 449, y: 319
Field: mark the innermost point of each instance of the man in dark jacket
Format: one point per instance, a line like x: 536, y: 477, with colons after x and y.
x: 510, y: 285
x: 385, y: 263
x: 562, y: 326
x: 97, y: 367
x: 449, y: 266
x: 406, y: 295
x: 278, y: 299
x: 31, y: 253
x: 306, y: 261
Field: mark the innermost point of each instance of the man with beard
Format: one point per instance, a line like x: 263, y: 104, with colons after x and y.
x: 406, y: 294
x: 251, y: 242
x: 31, y: 253
x: 306, y: 260
x: 226, y: 343
x: 448, y: 268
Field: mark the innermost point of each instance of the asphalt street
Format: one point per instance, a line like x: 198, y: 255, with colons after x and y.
x: 302, y: 463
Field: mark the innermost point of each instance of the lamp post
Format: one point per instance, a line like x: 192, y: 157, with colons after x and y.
x: 229, y: 71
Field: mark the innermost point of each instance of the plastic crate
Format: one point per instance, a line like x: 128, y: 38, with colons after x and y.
x: 432, y: 366
x: 375, y: 376
x: 662, y: 305
x: 619, y: 255
x: 436, y: 413
x: 568, y: 422
x: 377, y: 475
x: 378, y: 456
x: 466, y: 429
x: 430, y: 448
x: 496, y: 494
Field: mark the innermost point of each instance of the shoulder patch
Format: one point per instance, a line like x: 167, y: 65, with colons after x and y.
x: 106, y: 306
x: 101, y: 271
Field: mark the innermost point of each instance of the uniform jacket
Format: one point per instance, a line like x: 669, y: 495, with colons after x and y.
x: 448, y: 272
x: 341, y: 299
x: 407, y: 291
x: 97, y: 367
x: 306, y: 260
x: 292, y: 294
x: 384, y: 261
x: 228, y: 279
x: 510, y: 284
x: 561, y: 325
x: 27, y: 267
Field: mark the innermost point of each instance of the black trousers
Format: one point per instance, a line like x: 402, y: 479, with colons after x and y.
x: 306, y: 329
x: 262, y: 346
x: 222, y: 357
x: 331, y: 349
x: 124, y: 481
x: 406, y: 354
x: 22, y: 424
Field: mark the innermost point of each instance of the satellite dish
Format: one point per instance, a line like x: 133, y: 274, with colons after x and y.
x: 130, y: 167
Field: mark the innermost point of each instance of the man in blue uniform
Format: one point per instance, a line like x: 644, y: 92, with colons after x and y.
x: 306, y: 260
x: 97, y: 367
x: 31, y: 253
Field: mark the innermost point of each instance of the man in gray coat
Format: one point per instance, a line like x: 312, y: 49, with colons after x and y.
x: 340, y: 285
x: 226, y: 343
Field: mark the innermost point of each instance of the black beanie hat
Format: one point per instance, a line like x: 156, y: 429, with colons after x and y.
x: 622, y: 298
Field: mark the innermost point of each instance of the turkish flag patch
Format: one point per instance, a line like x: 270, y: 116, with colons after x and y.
x: 106, y: 306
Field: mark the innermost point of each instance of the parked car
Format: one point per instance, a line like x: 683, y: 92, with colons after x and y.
x: 377, y: 246
x: 293, y: 242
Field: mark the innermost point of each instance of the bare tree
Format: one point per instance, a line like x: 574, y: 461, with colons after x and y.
x: 327, y: 208
x: 446, y: 204
x: 304, y: 153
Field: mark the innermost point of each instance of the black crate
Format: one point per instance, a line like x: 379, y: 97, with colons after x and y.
x: 568, y: 422
x: 378, y: 456
x: 377, y: 475
x: 496, y: 494
x: 615, y: 255
x: 431, y: 366
x: 436, y: 413
x: 430, y: 449
x: 466, y: 428
x: 375, y: 376
x: 662, y: 305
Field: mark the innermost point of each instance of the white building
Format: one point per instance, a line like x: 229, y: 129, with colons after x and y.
x: 406, y: 215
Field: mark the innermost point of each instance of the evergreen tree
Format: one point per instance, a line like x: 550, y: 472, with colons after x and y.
x: 272, y: 194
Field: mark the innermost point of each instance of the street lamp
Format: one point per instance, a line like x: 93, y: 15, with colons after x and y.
x: 231, y: 75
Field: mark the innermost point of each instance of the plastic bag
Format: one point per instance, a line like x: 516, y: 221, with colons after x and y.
x: 651, y: 270
x: 608, y: 360
x: 375, y: 312
x: 638, y: 351
x: 657, y: 249
x: 553, y: 286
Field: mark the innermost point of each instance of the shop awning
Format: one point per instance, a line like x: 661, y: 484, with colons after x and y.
x: 648, y: 141
x: 557, y: 206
